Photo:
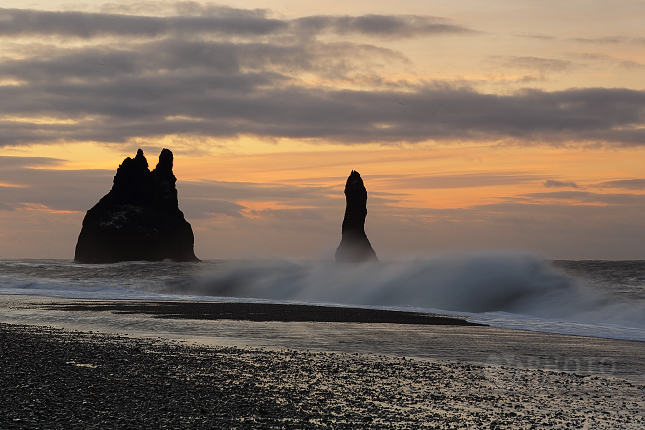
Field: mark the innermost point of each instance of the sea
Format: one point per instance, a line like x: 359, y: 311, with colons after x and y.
x: 516, y: 290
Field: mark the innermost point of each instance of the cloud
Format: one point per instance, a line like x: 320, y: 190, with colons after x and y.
x: 612, y: 40
x: 195, y: 208
x: 291, y: 215
x: 515, y: 211
x: 627, y: 184
x: 225, y: 67
x: 172, y: 76
x: 623, y: 63
x: 631, y: 64
x: 249, y: 191
x: 182, y: 8
x: 214, y: 20
x: 595, y: 56
x: 560, y: 229
x: 62, y: 190
x: 195, y: 103
x: 79, y: 190
x: 588, y: 198
x: 541, y: 65
x: 534, y: 36
x: 27, y: 22
x: 390, y: 26
x: 467, y: 180
x: 13, y: 163
x: 559, y: 184
x: 233, y: 219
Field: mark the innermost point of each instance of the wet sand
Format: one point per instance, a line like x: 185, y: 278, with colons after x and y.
x: 252, y: 374
x: 258, y: 312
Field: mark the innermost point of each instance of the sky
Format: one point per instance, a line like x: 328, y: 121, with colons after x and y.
x: 476, y: 125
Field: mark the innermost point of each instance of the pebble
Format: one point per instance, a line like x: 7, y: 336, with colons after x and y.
x: 58, y: 379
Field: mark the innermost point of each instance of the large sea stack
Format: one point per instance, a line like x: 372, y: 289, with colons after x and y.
x: 139, y: 219
x: 355, y: 246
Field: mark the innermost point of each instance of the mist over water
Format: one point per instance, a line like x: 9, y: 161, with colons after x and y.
x: 478, y: 283
x: 523, y: 284
x: 515, y: 290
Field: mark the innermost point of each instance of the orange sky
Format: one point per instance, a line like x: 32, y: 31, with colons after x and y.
x: 463, y: 174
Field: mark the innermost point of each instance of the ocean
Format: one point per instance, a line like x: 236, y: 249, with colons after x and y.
x: 509, y: 290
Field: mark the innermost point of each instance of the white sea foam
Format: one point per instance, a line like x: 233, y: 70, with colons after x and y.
x: 515, y: 290
x: 518, y: 290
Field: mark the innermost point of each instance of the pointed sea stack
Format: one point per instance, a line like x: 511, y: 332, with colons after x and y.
x: 139, y: 219
x: 355, y: 246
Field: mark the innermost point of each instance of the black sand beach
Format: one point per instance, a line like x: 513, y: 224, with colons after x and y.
x: 55, y: 378
x: 258, y: 312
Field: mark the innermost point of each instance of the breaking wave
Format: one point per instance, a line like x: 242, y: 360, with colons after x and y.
x: 476, y: 284
x: 513, y: 290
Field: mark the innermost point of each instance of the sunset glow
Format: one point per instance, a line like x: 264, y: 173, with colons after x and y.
x: 475, y: 125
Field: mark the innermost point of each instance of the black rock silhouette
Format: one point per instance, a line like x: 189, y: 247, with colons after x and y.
x: 139, y: 219
x: 355, y: 246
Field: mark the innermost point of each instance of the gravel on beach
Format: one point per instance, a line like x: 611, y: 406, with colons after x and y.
x: 53, y: 378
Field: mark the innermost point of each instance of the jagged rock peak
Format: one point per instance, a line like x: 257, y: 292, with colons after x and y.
x: 355, y: 184
x: 139, y: 219
x: 164, y: 166
x: 354, y: 245
x: 132, y: 174
x: 356, y: 200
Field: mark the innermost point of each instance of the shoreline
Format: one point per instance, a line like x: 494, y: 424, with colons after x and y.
x: 332, y: 329
x: 55, y: 378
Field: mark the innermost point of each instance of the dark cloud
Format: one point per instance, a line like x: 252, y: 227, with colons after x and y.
x: 194, y: 103
x: 169, y: 8
x: 391, y: 26
x: 214, y: 20
x: 176, y: 63
x: 62, y: 190
x: 11, y: 163
x: 166, y: 83
x: 26, y: 22
x: 627, y: 184
x: 560, y: 184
